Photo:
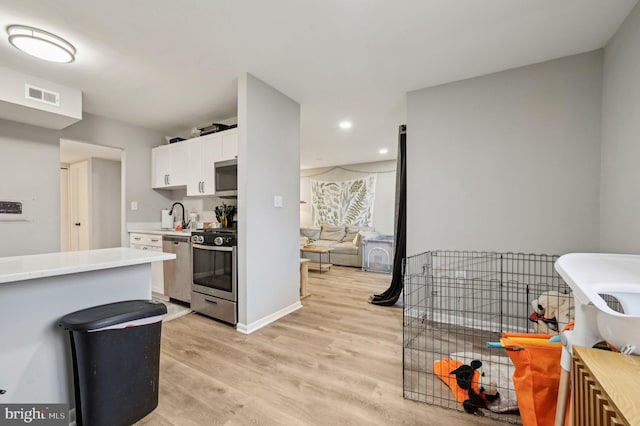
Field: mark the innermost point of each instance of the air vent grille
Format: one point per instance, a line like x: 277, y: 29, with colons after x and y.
x: 41, y: 95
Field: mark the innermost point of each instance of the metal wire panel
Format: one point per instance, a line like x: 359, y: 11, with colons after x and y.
x: 456, y: 301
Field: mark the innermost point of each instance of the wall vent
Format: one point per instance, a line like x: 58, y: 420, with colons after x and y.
x: 41, y: 95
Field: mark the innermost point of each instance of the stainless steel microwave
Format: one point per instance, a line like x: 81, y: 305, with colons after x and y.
x: 226, y: 179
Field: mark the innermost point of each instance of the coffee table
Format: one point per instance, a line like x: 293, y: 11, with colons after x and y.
x: 319, y: 266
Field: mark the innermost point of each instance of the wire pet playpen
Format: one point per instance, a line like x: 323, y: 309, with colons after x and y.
x: 455, y: 303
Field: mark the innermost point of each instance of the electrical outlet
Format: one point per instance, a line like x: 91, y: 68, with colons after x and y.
x: 277, y: 201
x: 134, y: 205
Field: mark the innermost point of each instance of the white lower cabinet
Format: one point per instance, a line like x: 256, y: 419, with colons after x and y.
x: 151, y: 242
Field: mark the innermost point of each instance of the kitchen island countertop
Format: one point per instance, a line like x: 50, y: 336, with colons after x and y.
x: 37, y: 290
x: 20, y: 268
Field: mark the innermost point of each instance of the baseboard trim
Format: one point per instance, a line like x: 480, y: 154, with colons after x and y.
x: 257, y: 325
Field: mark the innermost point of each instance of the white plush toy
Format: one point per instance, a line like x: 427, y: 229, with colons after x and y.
x: 552, y: 311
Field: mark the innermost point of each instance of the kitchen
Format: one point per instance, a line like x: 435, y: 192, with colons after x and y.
x: 204, y: 274
x: 268, y: 166
x: 267, y: 281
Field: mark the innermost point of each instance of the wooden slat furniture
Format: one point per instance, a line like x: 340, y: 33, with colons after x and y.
x: 605, y: 388
x: 304, y: 278
x: 319, y: 266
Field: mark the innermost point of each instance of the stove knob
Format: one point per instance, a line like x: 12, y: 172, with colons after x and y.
x: 198, y: 239
x: 218, y: 241
x: 194, y: 239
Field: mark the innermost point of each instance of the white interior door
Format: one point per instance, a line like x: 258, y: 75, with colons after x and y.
x: 79, y: 193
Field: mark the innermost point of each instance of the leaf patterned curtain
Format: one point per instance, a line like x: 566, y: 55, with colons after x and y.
x: 348, y: 202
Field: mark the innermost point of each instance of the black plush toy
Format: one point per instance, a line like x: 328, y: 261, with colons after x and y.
x: 480, y: 392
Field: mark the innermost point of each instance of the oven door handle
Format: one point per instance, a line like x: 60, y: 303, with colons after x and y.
x: 212, y: 248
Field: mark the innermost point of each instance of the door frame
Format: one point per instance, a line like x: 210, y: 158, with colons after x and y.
x: 124, y: 237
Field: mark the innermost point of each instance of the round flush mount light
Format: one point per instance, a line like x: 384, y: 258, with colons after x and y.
x: 383, y: 151
x: 345, y: 125
x: 41, y: 44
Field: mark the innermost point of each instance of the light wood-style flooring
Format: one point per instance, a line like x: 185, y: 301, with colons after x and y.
x: 337, y: 361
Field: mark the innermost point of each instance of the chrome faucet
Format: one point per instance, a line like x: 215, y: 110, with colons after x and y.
x: 184, y: 224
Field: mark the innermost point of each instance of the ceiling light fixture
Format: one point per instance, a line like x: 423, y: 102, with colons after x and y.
x: 383, y: 150
x: 345, y: 124
x: 41, y: 44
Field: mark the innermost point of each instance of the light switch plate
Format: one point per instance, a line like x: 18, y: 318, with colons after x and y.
x: 277, y: 201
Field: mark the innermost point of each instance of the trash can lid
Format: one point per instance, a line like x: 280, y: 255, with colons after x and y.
x: 111, y: 314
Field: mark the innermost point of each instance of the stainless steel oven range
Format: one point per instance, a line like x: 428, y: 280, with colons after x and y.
x: 215, y: 278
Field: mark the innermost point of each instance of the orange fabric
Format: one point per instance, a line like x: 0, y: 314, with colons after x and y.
x: 444, y: 367
x: 536, y: 377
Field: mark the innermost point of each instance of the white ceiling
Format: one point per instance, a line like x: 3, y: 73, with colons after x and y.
x: 173, y: 65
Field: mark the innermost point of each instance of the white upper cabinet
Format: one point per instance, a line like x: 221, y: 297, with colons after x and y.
x: 203, y: 153
x: 190, y: 163
x: 169, y: 168
x: 160, y: 166
x: 230, y: 145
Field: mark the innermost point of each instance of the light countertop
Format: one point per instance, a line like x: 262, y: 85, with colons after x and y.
x: 20, y: 268
x: 160, y: 232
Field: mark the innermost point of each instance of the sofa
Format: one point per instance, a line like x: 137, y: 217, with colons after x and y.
x: 346, y: 241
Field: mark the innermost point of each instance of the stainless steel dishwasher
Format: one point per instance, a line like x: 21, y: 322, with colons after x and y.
x: 178, y: 273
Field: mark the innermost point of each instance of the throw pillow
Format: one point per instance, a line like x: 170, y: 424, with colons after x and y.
x: 352, y: 231
x: 332, y: 232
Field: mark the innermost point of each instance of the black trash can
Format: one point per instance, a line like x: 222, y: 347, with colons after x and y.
x: 116, y: 357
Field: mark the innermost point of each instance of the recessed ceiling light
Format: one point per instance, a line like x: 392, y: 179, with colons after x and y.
x: 383, y: 150
x: 41, y: 44
x: 345, y: 124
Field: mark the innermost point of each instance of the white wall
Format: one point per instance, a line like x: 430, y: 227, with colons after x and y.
x: 620, y: 179
x: 30, y: 170
x: 136, y: 162
x: 29, y: 166
x: 385, y: 172
x: 508, y: 161
x: 105, y: 211
x: 14, y: 105
x: 203, y: 206
x: 268, y: 165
